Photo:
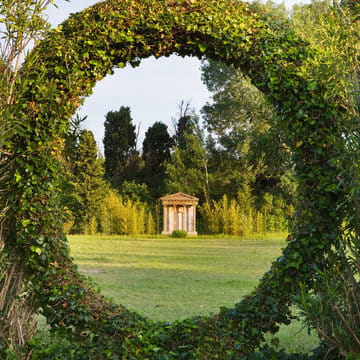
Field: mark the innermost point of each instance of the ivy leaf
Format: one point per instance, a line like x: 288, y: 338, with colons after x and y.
x: 202, y: 47
x: 25, y: 222
x: 36, y: 249
x: 312, y: 85
x: 18, y: 177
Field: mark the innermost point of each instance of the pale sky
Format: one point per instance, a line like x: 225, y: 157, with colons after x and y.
x: 153, y: 91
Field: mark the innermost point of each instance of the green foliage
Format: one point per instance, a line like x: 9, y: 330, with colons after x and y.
x: 237, y: 104
x: 119, y: 215
x: 181, y: 234
x: 62, y: 70
x: 135, y: 191
x: 150, y: 226
x: 187, y: 122
x: 22, y: 23
x: 187, y: 169
x: 335, y: 32
x: 247, y: 144
x: 88, y: 186
x: 239, y: 216
x: 119, y: 144
x: 156, y: 152
x: 333, y: 309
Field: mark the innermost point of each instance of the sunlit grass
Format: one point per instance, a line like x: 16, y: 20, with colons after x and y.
x: 167, y: 279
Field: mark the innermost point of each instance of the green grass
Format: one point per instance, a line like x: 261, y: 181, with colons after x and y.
x: 168, y: 278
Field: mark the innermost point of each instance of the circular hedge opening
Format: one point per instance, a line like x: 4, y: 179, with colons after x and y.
x: 61, y: 72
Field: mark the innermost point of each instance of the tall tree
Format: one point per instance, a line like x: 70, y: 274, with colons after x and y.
x: 156, y: 152
x: 184, y: 121
x: 119, y: 143
x: 88, y: 184
x: 187, y: 170
x: 246, y: 147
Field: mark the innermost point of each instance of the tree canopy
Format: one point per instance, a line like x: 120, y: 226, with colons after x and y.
x: 119, y: 142
x: 156, y: 152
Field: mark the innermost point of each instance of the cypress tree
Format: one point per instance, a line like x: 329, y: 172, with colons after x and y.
x: 88, y: 182
x: 156, y: 152
x: 119, y: 145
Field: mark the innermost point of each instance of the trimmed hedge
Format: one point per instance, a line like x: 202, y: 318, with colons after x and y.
x: 61, y: 72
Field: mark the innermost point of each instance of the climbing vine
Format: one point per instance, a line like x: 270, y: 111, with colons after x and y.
x: 62, y: 70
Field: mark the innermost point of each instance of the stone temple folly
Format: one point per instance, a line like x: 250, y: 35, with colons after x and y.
x: 179, y: 213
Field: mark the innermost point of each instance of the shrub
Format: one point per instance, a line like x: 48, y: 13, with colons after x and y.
x: 333, y: 308
x: 239, y: 216
x: 179, y: 234
x: 124, y: 216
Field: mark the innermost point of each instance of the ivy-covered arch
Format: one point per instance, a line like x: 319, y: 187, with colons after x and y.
x: 60, y: 73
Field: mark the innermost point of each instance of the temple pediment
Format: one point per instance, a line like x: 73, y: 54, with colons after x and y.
x: 179, y: 198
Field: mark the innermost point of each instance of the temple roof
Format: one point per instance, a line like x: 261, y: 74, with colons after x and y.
x: 179, y: 198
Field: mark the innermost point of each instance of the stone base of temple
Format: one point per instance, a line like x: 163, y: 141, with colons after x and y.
x: 189, y: 233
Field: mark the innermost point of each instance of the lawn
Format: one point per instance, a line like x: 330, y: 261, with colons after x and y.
x: 166, y: 279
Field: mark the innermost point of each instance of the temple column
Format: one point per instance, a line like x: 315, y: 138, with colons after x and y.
x: 194, y: 218
x: 184, y: 218
x: 174, y: 219
x: 165, y: 220
x: 191, y: 219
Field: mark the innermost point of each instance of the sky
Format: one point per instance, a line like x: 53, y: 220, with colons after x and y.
x: 153, y: 91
